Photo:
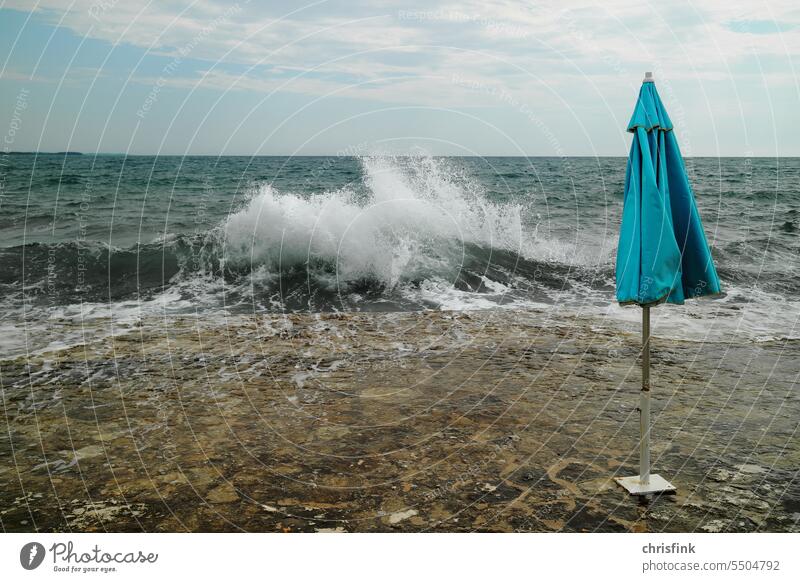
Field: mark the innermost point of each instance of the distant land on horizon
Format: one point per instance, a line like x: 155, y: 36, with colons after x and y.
x: 44, y: 153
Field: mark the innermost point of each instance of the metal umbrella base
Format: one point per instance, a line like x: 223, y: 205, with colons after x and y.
x: 634, y: 485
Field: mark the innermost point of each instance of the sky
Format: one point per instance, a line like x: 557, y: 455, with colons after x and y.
x: 490, y: 77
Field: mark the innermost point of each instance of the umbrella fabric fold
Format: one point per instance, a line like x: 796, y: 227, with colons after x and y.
x: 663, y: 255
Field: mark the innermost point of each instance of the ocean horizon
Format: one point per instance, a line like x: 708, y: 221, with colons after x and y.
x: 399, y: 155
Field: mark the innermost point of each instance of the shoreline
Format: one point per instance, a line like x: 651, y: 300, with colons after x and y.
x: 415, y: 421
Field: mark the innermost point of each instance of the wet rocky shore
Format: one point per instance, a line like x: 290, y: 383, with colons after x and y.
x: 476, y: 421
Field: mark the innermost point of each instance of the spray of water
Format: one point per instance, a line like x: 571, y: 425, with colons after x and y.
x: 414, y: 222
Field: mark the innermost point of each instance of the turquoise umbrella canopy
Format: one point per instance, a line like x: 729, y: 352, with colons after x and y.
x: 663, y: 255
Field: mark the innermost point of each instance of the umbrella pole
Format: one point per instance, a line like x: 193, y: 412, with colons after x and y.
x: 644, y: 402
x: 644, y: 483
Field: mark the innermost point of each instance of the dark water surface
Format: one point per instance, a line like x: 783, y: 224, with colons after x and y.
x: 88, y: 236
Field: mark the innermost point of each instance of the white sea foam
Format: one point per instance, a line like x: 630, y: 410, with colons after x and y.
x: 743, y: 314
x: 414, y: 222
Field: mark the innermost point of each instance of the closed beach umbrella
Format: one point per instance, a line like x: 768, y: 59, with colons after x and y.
x: 663, y: 255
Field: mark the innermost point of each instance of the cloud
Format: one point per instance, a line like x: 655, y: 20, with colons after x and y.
x: 382, y: 38
x: 549, y: 54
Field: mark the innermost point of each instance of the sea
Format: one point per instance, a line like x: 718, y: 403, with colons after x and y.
x: 119, y: 239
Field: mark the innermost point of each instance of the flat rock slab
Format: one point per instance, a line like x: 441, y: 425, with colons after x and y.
x: 434, y: 421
